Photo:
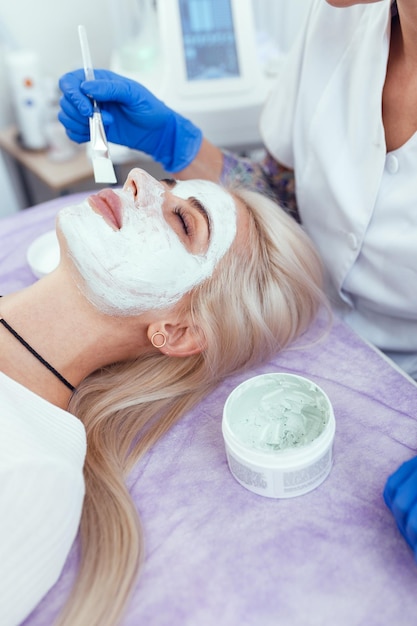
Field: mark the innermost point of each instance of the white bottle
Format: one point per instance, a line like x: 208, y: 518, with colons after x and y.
x: 28, y: 99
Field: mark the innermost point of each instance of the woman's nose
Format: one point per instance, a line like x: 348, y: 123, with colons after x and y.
x: 138, y: 180
x: 132, y: 182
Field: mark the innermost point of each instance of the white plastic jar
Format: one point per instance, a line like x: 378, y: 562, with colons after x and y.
x: 279, y: 430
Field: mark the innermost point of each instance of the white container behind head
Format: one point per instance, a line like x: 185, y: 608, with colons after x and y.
x: 43, y: 254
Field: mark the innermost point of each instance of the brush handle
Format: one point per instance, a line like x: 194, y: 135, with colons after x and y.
x: 85, y: 51
x: 87, y: 62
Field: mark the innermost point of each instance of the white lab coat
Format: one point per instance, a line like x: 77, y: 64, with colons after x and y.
x: 42, y: 452
x: 358, y: 203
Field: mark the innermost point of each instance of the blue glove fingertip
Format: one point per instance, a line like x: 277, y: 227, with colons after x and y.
x: 85, y: 107
x: 77, y: 137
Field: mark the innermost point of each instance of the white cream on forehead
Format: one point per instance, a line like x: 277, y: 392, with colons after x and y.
x: 144, y: 265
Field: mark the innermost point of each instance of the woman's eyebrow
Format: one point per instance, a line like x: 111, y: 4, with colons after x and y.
x: 170, y: 182
x: 202, y: 210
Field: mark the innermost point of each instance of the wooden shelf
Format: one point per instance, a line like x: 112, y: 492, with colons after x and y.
x: 56, y: 175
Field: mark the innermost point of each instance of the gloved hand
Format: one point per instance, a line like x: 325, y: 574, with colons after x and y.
x: 400, y: 495
x: 132, y: 116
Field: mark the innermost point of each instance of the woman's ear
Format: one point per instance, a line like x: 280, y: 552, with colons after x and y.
x: 178, y: 340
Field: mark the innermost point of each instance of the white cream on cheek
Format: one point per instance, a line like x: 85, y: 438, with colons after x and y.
x: 144, y: 266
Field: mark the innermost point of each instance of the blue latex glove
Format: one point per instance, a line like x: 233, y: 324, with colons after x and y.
x: 400, y: 495
x: 132, y: 117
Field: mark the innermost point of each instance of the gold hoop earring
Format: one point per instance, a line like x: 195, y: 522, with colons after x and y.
x: 164, y: 340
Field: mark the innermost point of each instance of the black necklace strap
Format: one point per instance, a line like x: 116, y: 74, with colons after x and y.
x: 35, y: 354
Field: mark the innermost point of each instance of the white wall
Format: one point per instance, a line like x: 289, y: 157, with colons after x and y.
x: 49, y: 27
x: 280, y: 19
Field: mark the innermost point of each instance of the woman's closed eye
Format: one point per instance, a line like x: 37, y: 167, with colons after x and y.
x: 184, y: 220
x: 188, y: 217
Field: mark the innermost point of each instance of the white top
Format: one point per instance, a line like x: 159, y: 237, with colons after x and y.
x: 358, y: 203
x: 42, y: 451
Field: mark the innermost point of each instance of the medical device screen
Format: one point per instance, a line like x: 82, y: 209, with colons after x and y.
x: 209, y: 39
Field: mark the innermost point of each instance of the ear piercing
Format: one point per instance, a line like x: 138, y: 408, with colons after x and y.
x: 163, y: 342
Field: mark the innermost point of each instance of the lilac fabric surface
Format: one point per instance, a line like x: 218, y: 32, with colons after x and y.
x: 219, y: 555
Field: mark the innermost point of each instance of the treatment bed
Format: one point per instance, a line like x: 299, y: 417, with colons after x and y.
x: 220, y: 555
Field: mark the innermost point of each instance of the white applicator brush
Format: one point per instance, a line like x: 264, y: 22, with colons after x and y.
x: 99, y: 149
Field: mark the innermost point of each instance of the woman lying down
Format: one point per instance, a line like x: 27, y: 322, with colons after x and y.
x: 101, y: 357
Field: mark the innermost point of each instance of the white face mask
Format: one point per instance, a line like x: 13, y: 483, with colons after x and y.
x: 144, y: 265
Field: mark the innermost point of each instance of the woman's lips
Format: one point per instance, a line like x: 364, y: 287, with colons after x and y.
x: 109, y: 206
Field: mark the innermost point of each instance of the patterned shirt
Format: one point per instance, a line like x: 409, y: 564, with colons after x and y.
x: 266, y: 176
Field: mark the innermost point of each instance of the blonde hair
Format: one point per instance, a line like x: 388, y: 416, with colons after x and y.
x: 273, y: 287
